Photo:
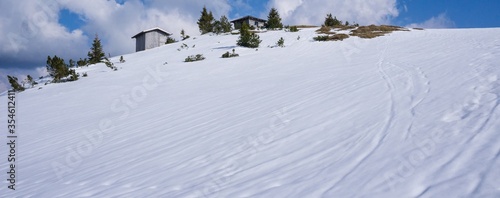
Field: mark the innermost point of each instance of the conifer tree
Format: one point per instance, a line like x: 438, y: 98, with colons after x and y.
x: 222, y: 25
x: 225, y: 24
x: 331, y: 21
x: 81, y: 62
x: 206, y: 21
x: 96, y: 53
x: 217, y: 27
x: 247, y: 38
x: 14, y: 84
x: 57, y: 69
x: 274, y: 20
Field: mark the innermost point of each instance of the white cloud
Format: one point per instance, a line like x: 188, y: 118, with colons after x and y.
x: 440, y: 21
x: 314, y: 11
x: 117, y: 23
x: 32, y: 31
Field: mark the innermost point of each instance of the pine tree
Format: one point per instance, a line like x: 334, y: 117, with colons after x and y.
x: 331, y: 21
x: 96, y: 53
x: 247, y: 38
x: 274, y: 20
x: 57, y: 69
x: 14, y: 84
x: 206, y: 21
x: 82, y: 62
x: 225, y: 24
x: 217, y: 27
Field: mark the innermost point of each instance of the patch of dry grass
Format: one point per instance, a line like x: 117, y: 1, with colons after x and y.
x: 334, y: 37
x: 325, y: 30
x: 306, y: 26
x: 373, y: 31
x: 346, y: 27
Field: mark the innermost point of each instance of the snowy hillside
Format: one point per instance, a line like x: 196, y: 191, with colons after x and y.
x: 410, y: 114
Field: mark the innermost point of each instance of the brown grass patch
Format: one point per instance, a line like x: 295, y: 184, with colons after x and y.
x: 325, y: 30
x: 334, y: 37
x: 306, y: 26
x: 373, y: 31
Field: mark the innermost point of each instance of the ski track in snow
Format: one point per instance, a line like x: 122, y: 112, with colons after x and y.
x: 313, y: 119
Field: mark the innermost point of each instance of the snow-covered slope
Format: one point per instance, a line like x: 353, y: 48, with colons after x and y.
x: 411, y: 114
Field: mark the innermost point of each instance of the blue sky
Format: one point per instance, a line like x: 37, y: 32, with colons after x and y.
x: 464, y: 13
x: 35, y: 29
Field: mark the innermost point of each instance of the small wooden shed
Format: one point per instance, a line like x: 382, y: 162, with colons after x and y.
x: 150, y: 38
x: 250, y: 21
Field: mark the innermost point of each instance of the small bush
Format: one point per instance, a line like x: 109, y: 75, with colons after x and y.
x: 71, y: 63
x: 170, y: 40
x: 73, y: 76
x: 82, y: 62
x: 193, y: 58
x: 321, y: 38
x: 230, y: 55
x: 335, y: 37
x: 281, y: 42
x: 29, y: 81
x: 110, y: 64
x: 121, y: 59
x: 84, y: 74
x: 184, y: 36
x: 294, y: 29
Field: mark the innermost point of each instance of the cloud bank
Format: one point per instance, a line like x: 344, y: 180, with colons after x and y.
x: 437, y: 22
x: 313, y: 12
x: 32, y: 29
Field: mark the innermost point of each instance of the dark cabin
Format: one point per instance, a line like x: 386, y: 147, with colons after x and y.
x: 250, y: 20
